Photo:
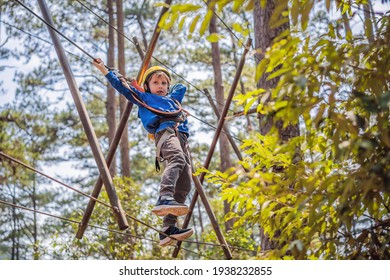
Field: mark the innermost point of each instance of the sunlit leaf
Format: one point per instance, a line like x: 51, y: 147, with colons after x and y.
x: 193, y: 23
x: 205, y: 22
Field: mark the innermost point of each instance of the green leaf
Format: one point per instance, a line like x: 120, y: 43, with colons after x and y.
x: 163, y: 19
x: 250, y: 6
x: 282, y: 35
x: 181, y: 23
x: 280, y: 104
x: 249, y: 104
x: 237, y: 27
x: 231, y: 215
x: 346, y: 7
x: 214, y: 37
x: 184, y: 8
x: 305, y: 14
x: 168, y: 25
x: 161, y: 4
x: 294, y: 10
x: 279, y: 22
x: 193, y: 24
x: 261, y: 68
x: 237, y: 4
x: 206, y: 22
x: 278, y: 73
x: 221, y: 4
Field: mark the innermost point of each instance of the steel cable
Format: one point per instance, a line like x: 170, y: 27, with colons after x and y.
x: 106, y: 204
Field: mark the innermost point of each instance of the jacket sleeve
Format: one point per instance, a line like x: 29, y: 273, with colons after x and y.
x: 117, y: 84
x: 178, y: 91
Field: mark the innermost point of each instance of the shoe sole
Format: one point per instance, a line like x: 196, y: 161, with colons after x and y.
x: 164, y: 210
x: 166, y: 242
x: 178, y: 237
x: 183, y: 235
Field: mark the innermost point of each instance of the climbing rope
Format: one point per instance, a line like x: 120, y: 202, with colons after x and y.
x: 156, y: 59
x: 168, y: 114
x: 134, y: 94
x: 54, y: 29
x: 43, y: 40
x: 93, y: 226
x: 106, y: 205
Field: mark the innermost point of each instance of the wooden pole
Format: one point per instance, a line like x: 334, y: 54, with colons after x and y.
x: 121, y: 126
x: 210, y: 154
x: 86, y: 122
x: 138, y: 47
x: 225, y: 129
x: 199, y: 191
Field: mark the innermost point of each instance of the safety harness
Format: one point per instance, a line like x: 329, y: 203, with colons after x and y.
x: 177, y: 116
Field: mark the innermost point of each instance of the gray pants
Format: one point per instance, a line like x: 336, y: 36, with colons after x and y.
x: 177, y: 176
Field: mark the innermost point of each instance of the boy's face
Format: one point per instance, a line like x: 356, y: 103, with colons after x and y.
x: 158, y: 85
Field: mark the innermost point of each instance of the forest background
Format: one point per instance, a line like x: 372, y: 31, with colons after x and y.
x: 310, y: 114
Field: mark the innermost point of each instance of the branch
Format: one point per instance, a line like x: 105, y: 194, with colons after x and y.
x: 242, y: 113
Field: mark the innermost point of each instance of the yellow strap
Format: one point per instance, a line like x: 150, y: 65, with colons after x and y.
x: 150, y: 136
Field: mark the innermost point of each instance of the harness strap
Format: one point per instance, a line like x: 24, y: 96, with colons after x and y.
x: 160, y: 142
x: 178, y: 119
x: 150, y: 108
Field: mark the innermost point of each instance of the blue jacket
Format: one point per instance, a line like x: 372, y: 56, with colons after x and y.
x: 150, y: 120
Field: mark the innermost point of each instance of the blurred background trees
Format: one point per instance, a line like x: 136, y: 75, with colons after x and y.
x: 311, y: 115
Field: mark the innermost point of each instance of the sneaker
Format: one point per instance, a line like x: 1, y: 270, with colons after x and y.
x: 176, y: 233
x: 168, y: 205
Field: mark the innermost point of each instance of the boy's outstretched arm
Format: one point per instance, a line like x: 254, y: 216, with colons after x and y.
x: 121, y: 86
x: 99, y: 64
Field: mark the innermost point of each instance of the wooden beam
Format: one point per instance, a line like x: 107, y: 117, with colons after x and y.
x: 86, y: 122
x: 121, y: 126
x: 206, y: 165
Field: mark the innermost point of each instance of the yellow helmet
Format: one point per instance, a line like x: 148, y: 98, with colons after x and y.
x: 152, y: 70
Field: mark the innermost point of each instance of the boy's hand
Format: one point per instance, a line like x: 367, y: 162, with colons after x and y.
x: 99, y: 64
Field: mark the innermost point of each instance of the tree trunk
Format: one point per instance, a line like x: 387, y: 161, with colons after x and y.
x: 111, y: 99
x: 14, y: 225
x: 242, y: 85
x: 124, y: 144
x: 375, y: 23
x: 347, y: 27
x: 35, y: 224
x: 264, y: 36
x: 368, y: 26
x: 226, y: 162
x: 142, y: 26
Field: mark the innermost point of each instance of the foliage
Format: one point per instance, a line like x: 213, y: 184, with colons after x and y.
x: 29, y: 137
x: 324, y: 194
x: 102, y: 239
x: 44, y: 111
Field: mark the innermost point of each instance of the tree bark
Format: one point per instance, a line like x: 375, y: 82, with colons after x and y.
x: 124, y: 144
x: 368, y: 26
x: 242, y: 85
x: 142, y: 26
x: 35, y: 222
x: 111, y: 99
x: 264, y: 36
x: 14, y: 248
x: 226, y: 161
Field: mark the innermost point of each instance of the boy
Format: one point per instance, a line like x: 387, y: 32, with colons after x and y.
x: 170, y: 133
